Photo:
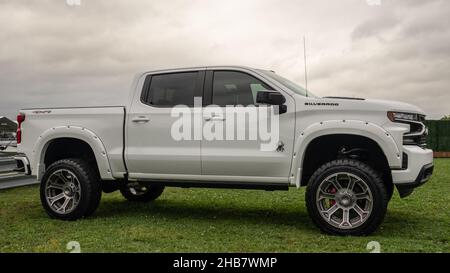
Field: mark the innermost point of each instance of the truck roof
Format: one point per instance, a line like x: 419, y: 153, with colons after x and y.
x: 201, y: 67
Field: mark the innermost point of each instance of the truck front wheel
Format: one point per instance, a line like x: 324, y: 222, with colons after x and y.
x: 138, y: 192
x: 346, y: 197
x: 70, y: 189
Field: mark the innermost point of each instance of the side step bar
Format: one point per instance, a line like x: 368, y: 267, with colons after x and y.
x: 219, y: 185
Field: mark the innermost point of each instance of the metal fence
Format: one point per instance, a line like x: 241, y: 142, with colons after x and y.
x: 439, y: 135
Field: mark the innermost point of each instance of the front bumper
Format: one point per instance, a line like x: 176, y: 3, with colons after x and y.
x: 417, y: 171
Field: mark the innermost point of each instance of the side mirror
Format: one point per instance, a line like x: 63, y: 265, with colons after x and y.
x: 270, y: 97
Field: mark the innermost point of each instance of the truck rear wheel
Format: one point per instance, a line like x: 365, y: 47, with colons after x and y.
x: 346, y: 197
x: 70, y: 190
x: 138, y: 192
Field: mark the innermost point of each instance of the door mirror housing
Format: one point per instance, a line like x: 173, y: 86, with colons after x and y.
x: 270, y: 97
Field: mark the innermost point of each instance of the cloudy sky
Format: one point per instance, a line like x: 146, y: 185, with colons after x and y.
x: 59, y: 53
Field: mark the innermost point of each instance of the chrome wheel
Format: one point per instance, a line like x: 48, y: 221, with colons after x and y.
x: 62, y: 191
x: 344, y: 200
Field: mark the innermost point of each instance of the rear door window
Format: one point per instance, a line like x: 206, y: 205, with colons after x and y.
x: 168, y: 90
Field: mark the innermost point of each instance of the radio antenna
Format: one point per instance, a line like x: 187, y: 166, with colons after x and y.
x: 304, y: 55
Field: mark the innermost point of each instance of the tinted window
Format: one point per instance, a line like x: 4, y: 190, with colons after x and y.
x: 172, y: 89
x: 233, y: 88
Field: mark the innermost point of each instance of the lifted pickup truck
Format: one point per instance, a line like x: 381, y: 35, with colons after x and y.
x: 348, y: 152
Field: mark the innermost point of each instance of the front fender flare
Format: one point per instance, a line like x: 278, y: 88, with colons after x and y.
x: 348, y: 127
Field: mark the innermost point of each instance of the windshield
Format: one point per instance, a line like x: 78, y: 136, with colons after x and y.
x: 290, y: 84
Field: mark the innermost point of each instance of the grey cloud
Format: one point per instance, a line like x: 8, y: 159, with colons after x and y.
x: 381, y: 21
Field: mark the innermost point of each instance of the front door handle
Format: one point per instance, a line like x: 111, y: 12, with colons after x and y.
x: 219, y: 118
x: 214, y: 118
x: 141, y: 119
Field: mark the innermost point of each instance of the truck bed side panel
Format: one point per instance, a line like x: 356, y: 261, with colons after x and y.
x: 104, y: 122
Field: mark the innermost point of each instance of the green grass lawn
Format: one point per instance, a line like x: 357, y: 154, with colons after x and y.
x: 210, y: 220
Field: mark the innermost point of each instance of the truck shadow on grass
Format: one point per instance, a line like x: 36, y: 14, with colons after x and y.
x: 174, y: 210
x: 396, y: 224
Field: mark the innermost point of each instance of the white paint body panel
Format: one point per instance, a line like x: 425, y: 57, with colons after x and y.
x: 152, y: 150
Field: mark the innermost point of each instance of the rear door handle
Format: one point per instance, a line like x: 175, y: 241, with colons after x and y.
x: 141, y: 119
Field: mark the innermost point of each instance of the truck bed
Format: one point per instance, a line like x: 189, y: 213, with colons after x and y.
x: 105, y: 122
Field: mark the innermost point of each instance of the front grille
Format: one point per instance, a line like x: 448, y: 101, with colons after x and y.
x: 420, y: 140
x: 417, y: 134
x: 421, y: 118
x: 423, y: 141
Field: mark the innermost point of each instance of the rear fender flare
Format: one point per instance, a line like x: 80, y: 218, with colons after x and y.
x: 74, y: 132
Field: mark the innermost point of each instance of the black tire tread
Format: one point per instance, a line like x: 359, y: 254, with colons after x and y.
x: 376, y: 219
x: 91, y: 188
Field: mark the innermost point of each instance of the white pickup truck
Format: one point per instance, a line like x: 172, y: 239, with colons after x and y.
x: 348, y: 152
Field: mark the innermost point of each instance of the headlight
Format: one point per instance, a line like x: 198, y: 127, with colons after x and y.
x: 399, y: 116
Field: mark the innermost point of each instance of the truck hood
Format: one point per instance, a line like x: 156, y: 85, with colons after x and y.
x: 399, y: 106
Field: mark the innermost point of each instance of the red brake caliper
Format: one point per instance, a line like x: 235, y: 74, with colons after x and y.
x: 332, y: 190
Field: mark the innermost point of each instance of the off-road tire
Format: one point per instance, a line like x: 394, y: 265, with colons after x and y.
x: 371, y: 178
x: 90, y: 188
